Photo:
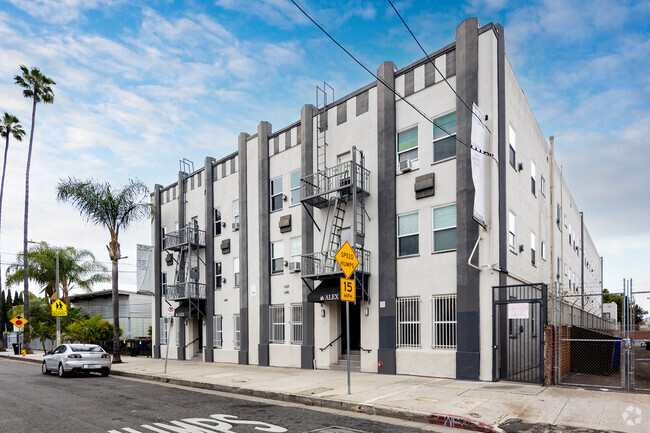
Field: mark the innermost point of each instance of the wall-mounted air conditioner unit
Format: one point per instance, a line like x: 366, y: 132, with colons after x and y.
x: 294, y: 266
x: 235, y: 226
x: 405, y: 165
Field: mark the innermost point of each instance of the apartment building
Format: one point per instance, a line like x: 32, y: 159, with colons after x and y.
x: 244, y: 246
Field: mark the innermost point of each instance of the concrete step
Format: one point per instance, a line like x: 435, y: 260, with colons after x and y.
x: 342, y: 366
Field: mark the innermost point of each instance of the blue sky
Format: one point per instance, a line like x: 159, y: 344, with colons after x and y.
x: 140, y: 87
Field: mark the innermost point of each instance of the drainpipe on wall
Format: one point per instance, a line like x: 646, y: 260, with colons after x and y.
x: 582, y: 262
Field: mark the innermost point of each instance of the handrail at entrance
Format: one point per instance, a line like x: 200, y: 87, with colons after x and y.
x: 322, y: 349
x: 365, y: 350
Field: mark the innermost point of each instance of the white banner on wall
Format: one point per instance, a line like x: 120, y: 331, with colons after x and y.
x: 144, y: 269
x: 479, y: 167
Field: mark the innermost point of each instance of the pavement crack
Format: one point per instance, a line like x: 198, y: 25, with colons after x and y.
x: 560, y: 412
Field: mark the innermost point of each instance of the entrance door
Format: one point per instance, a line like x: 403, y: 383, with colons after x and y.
x: 355, y: 327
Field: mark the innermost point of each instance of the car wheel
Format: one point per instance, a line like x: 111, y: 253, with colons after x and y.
x: 106, y: 371
x: 44, y: 369
x: 61, y: 371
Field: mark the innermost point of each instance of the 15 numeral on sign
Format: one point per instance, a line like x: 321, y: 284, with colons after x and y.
x: 348, y: 290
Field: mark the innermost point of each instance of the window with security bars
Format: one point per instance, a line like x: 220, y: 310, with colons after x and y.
x: 276, y: 316
x: 164, y: 329
x: 237, y: 335
x: 218, y: 331
x: 408, y: 322
x: 444, y: 321
x: 296, y: 323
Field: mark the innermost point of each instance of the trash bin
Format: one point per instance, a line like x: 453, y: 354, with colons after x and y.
x: 15, y: 346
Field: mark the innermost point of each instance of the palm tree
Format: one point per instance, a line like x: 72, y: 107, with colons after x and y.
x: 77, y: 269
x: 37, y: 87
x: 9, y: 126
x: 114, y: 209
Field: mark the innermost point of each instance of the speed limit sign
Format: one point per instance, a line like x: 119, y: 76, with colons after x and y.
x: 169, y: 312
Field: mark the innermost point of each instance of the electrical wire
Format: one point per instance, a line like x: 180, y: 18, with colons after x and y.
x: 434, y: 65
x: 433, y: 122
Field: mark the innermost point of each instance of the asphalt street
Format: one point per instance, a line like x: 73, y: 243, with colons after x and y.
x: 33, y: 402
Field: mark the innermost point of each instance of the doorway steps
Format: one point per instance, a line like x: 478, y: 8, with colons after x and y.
x: 342, y: 364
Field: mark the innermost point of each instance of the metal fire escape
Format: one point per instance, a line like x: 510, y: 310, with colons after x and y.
x: 183, y: 247
x: 339, y: 189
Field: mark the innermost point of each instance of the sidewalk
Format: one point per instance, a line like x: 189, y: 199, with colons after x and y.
x: 409, y: 397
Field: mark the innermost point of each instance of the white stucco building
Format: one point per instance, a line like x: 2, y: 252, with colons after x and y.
x: 244, y: 245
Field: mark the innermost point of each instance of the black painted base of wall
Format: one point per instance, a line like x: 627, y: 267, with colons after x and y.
x: 387, y: 359
x: 156, y: 352
x: 180, y: 353
x: 467, y: 365
x: 307, y: 357
x: 243, y: 357
x: 208, y: 354
x: 263, y: 350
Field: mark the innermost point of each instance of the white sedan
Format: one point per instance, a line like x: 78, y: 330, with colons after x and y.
x: 83, y: 358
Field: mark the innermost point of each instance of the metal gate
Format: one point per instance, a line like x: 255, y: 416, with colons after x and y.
x: 640, y: 362
x: 519, y: 316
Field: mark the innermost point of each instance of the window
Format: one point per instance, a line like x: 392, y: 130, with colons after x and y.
x: 569, y: 233
x: 277, y: 257
x: 512, y: 154
x: 559, y: 268
x: 164, y: 329
x: 217, y: 275
x: 408, y: 322
x: 444, y: 321
x: 163, y: 281
x: 444, y: 228
x: 235, y: 211
x: 566, y: 269
x: 217, y: 322
x: 444, y: 137
x: 237, y: 331
x: 217, y: 221
x: 408, y: 235
x: 512, y: 230
x: 542, y: 250
x: 533, y: 243
x: 235, y: 266
x: 407, y: 145
x: 296, y: 249
x: 542, y: 185
x: 276, y: 194
x: 294, y: 184
x: 533, y: 176
x: 558, y: 213
x: 296, y: 323
x: 276, y: 315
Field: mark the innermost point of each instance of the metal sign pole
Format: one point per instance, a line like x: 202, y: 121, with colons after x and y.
x: 347, y: 320
x: 169, y: 331
x: 58, y: 318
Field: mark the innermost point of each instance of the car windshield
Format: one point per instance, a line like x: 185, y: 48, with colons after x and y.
x: 79, y: 348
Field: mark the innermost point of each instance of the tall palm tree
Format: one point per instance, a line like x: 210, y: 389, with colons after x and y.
x: 114, y: 209
x: 38, y: 88
x: 77, y: 269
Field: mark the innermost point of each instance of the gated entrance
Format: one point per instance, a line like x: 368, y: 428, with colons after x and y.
x: 519, y: 316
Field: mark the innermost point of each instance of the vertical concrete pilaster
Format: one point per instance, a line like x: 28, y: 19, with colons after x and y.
x: 157, y: 258
x: 180, y: 343
x: 243, y: 249
x: 386, y: 221
x: 307, y: 232
x: 467, y: 355
x: 264, y: 194
x: 209, y: 260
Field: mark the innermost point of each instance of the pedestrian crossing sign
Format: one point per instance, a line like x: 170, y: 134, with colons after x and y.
x: 59, y: 309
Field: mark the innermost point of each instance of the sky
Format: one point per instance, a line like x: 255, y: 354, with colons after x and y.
x: 141, y: 85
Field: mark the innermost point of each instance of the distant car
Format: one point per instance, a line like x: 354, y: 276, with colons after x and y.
x: 80, y: 358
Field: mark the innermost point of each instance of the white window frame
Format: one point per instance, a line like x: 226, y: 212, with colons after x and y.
x: 236, y: 331
x: 217, y: 324
x: 218, y: 217
x: 218, y: 275
x: 235, y: 268
x: 296, y: 323
x: 439, y: 229
x: 235, y: 211
x: 444, y: 322
x: 294, y: 191
x: 414, y: 161
x: 435, y: 140
x: 406, y: 235
x: 542, y: 185
x: 408, y: 322
x: 512, y: 231
x: 542, y: 250
x: 275, y: 194
x: 277, y: 257
x: 296, y: 249
x: 276, y: 328
x: 533, y: 179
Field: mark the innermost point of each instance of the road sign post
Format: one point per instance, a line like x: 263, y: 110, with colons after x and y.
x: 19, y: 321
x: 348, y: 262
x: 169, y: 313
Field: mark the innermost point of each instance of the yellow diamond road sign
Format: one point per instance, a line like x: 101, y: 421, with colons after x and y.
x: 19, y: 321
x: 347, y: 259
x: 59, y: 308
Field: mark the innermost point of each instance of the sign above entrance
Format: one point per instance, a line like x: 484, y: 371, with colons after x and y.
x: 519, y: 310
x: 346, y: 259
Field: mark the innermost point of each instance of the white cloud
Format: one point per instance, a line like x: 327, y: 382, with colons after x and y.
x: 61, y: 11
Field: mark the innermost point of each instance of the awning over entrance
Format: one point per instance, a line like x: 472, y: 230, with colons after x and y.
x: 328, y: 290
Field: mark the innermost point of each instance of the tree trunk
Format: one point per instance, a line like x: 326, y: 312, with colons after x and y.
x: 29, y: 161
x: 115, y: 255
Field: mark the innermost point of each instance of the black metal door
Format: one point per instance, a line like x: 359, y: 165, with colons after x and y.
x: 519, y: 316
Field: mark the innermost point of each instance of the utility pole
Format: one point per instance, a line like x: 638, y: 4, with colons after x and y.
x: 58, y: 319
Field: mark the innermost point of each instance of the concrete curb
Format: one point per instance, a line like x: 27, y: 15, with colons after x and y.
x: 370, y: 409
x: 22, y: 358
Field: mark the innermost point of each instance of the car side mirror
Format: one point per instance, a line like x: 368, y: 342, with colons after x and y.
x: 49, y: 352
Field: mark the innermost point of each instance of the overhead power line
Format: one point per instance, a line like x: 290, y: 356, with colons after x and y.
x: 433, y: 122
x: 434, y: 65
